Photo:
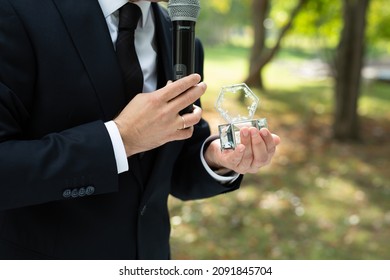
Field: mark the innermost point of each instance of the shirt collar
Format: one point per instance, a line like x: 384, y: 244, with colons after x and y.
x: 110, y: 6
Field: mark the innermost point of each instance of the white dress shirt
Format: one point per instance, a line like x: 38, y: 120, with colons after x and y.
x: 147, y: 55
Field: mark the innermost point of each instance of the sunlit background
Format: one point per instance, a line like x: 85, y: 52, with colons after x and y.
x: 320, y: 198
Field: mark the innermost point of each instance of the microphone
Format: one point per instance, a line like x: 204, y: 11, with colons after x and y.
x: 183, y: 14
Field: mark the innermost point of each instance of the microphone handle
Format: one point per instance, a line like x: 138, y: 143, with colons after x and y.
x: 183, y: 53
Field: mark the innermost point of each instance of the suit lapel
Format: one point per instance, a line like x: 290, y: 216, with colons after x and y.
x: 90, y: 35
x: 163, y: 41
x: 89, y: 32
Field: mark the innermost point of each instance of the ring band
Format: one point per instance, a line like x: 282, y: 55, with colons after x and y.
x: 184, y: 122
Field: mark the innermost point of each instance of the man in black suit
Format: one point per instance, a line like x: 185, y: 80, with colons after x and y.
x: 84, y: 173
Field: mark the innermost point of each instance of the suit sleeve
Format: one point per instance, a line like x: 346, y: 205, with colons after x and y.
x: 61, y: 165
x: 191, y: 180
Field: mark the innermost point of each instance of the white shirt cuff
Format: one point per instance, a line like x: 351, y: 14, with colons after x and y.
x: 119, y: 149
x: 219, y: 178
x: 123, y: 166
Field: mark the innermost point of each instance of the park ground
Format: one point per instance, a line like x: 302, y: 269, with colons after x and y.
x: 319, y: 199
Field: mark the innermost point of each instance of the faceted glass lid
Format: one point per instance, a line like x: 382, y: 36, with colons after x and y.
x: 228, y: 99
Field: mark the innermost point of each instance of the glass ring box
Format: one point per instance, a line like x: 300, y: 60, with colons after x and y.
x: 235, y: 116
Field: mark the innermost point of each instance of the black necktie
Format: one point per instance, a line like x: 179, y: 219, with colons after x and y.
x: 129, y: 15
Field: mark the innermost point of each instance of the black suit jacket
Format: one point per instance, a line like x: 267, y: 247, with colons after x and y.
x: 60, y: 194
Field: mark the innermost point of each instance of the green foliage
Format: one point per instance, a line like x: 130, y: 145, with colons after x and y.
x: 222, y: 7
x: 321, y: 19
x: 319, y: 199
x: 218, y: 18
x: 378, y: 28
x: 280, y: 11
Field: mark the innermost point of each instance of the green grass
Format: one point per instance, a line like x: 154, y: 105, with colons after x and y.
x: 319, y: 199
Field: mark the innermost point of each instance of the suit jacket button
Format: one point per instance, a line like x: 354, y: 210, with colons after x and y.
x: 75, y: 193
x: 67, y: 193
x: 90, y: 190
x: 82, y: 192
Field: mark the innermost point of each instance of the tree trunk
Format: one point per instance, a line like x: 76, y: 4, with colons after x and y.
x: 349, y: 62
x: 260, y: 54
x: 260, y: 9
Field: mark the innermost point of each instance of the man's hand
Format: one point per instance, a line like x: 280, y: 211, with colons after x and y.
x: 151, y: 120
x: 255, y: 151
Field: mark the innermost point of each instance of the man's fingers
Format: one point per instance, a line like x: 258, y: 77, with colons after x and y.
x: 189, y: 97
x: 182, y: 134
x: 276, y: 139
x: 268, y: 140
x: 190, y: 119
x: 245, y: 135
x: 174, y: 89
x: 232, y: 158
x: 259, y: 150
x: 260, y: 153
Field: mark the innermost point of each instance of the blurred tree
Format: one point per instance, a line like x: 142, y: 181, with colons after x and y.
x: 260, y: 54
x: 321, y: 23
x: 260, y: 11
x: 339, y: 38
x: 218, y: 17
x: 357, y: 29
x: 348, y: 63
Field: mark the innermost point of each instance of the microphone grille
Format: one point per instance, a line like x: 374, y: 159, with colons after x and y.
x: 184, y: 9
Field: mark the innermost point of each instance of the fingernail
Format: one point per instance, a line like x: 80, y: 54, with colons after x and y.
x: 264, y: 132
x: 245, y: 132
x: 203, y: 85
